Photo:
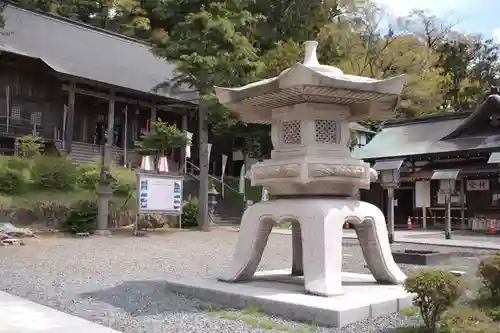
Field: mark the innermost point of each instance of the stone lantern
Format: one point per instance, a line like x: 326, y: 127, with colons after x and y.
x: 311, y: 172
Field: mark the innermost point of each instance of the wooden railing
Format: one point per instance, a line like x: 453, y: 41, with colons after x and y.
x: 18, y: 127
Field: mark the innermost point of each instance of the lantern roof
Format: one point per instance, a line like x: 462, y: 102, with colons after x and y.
x: 311, y: 82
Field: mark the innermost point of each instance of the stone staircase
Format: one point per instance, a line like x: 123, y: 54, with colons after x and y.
x: 228, y: 211
x: 87, y: 153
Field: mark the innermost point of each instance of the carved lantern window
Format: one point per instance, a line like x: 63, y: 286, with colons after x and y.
x: 291, y: 132
x: 326, y: 131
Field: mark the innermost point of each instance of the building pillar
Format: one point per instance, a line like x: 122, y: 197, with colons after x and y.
x: 85, y: 127
x: 153, y: 113
x: 125, y: 136
x: 462, y: 204
x: 70, y: 119
x: 183, y: 149
x: 447, y: 216
x: 110, y: 131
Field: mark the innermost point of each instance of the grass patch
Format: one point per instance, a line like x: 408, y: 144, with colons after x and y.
x: 38, y: 198
x: 251, y: 310
x: 252, y: 316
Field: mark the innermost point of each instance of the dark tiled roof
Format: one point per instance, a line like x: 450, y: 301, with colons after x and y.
x: 428, y: 135
x: 83, y: 51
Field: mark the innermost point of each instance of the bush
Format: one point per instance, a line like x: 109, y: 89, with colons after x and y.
x: 489, y: 272
x: 495, y: 313
x: 30, y: 146
x: 18, y: 163
x: 87, y: 177
x: 121, y: 190
x: 434, y: 292
x: 466, y: 320
x: 12, y: 181
x: 54, y: 173
x: 82, y: 217
x: 190, y: 213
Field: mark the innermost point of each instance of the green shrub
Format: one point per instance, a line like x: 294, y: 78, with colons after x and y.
x: 12, y: 181
x: 466, y: 320
x: 489, y: 272
x: 121, y: 190
x: 57, y: 173
x: 87, y: 177
x: 30, y: 146
x: 18, y: 163
x: 82, y: 217
x: 434, y: 292
x: 190, y: 213
x: 495, y: 313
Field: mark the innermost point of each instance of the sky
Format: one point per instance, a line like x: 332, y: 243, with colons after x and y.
x: 473, y: 16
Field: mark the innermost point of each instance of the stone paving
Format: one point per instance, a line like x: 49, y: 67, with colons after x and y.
x: 119, y: 281
x: 459, y: 238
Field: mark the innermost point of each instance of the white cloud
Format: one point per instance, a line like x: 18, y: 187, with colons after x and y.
x: 496, y: 35
x: 437, y: 7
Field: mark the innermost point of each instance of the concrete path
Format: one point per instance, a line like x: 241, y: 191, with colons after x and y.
x: 459, y: 239
x: 18, y: 315
x: 430, y: 237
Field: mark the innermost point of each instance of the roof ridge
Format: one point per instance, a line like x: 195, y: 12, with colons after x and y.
x: 79, y: 24
x: 442, y: 116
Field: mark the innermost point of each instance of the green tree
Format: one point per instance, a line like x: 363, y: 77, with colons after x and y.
x: 468, y: 67
x: 161, y: 138
x: 209, y: 48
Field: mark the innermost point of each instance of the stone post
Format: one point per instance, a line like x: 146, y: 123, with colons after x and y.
x: 390, y: 214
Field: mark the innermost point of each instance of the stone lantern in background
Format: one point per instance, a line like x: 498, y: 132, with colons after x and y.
x: 447, y: 180
x: 311, y: 172
x: 389, y: 179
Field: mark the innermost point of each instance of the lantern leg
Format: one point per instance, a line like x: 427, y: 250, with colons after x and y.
x: 371, y: 230
x: 252, y: 239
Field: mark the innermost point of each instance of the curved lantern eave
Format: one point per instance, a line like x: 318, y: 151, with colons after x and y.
x: 254, y: 102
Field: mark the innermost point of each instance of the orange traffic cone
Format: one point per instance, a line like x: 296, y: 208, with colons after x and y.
x: 492, y: 230
x: 410, y: 226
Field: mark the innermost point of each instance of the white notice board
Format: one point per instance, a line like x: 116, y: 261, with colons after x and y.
x: 157, y: 193
x: 423, y: 194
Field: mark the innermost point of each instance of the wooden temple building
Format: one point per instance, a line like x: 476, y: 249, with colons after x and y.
x: 71, y: 83
x: 468, y: 142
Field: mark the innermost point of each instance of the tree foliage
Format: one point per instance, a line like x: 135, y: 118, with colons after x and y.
x: 161, y: 138
x: 234, y: 42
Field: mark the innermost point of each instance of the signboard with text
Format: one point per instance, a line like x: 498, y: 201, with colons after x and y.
x: 157, y: 193
x: 478, y: 185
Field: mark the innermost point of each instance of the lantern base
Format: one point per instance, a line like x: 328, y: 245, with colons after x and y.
x: 306, y: 176
x: 316, y: 241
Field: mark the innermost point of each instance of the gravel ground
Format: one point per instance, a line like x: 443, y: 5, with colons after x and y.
x: 119, y: 281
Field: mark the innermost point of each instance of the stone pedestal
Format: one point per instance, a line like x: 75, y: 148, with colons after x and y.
x: 317, y: 241
x: 278, y: 293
